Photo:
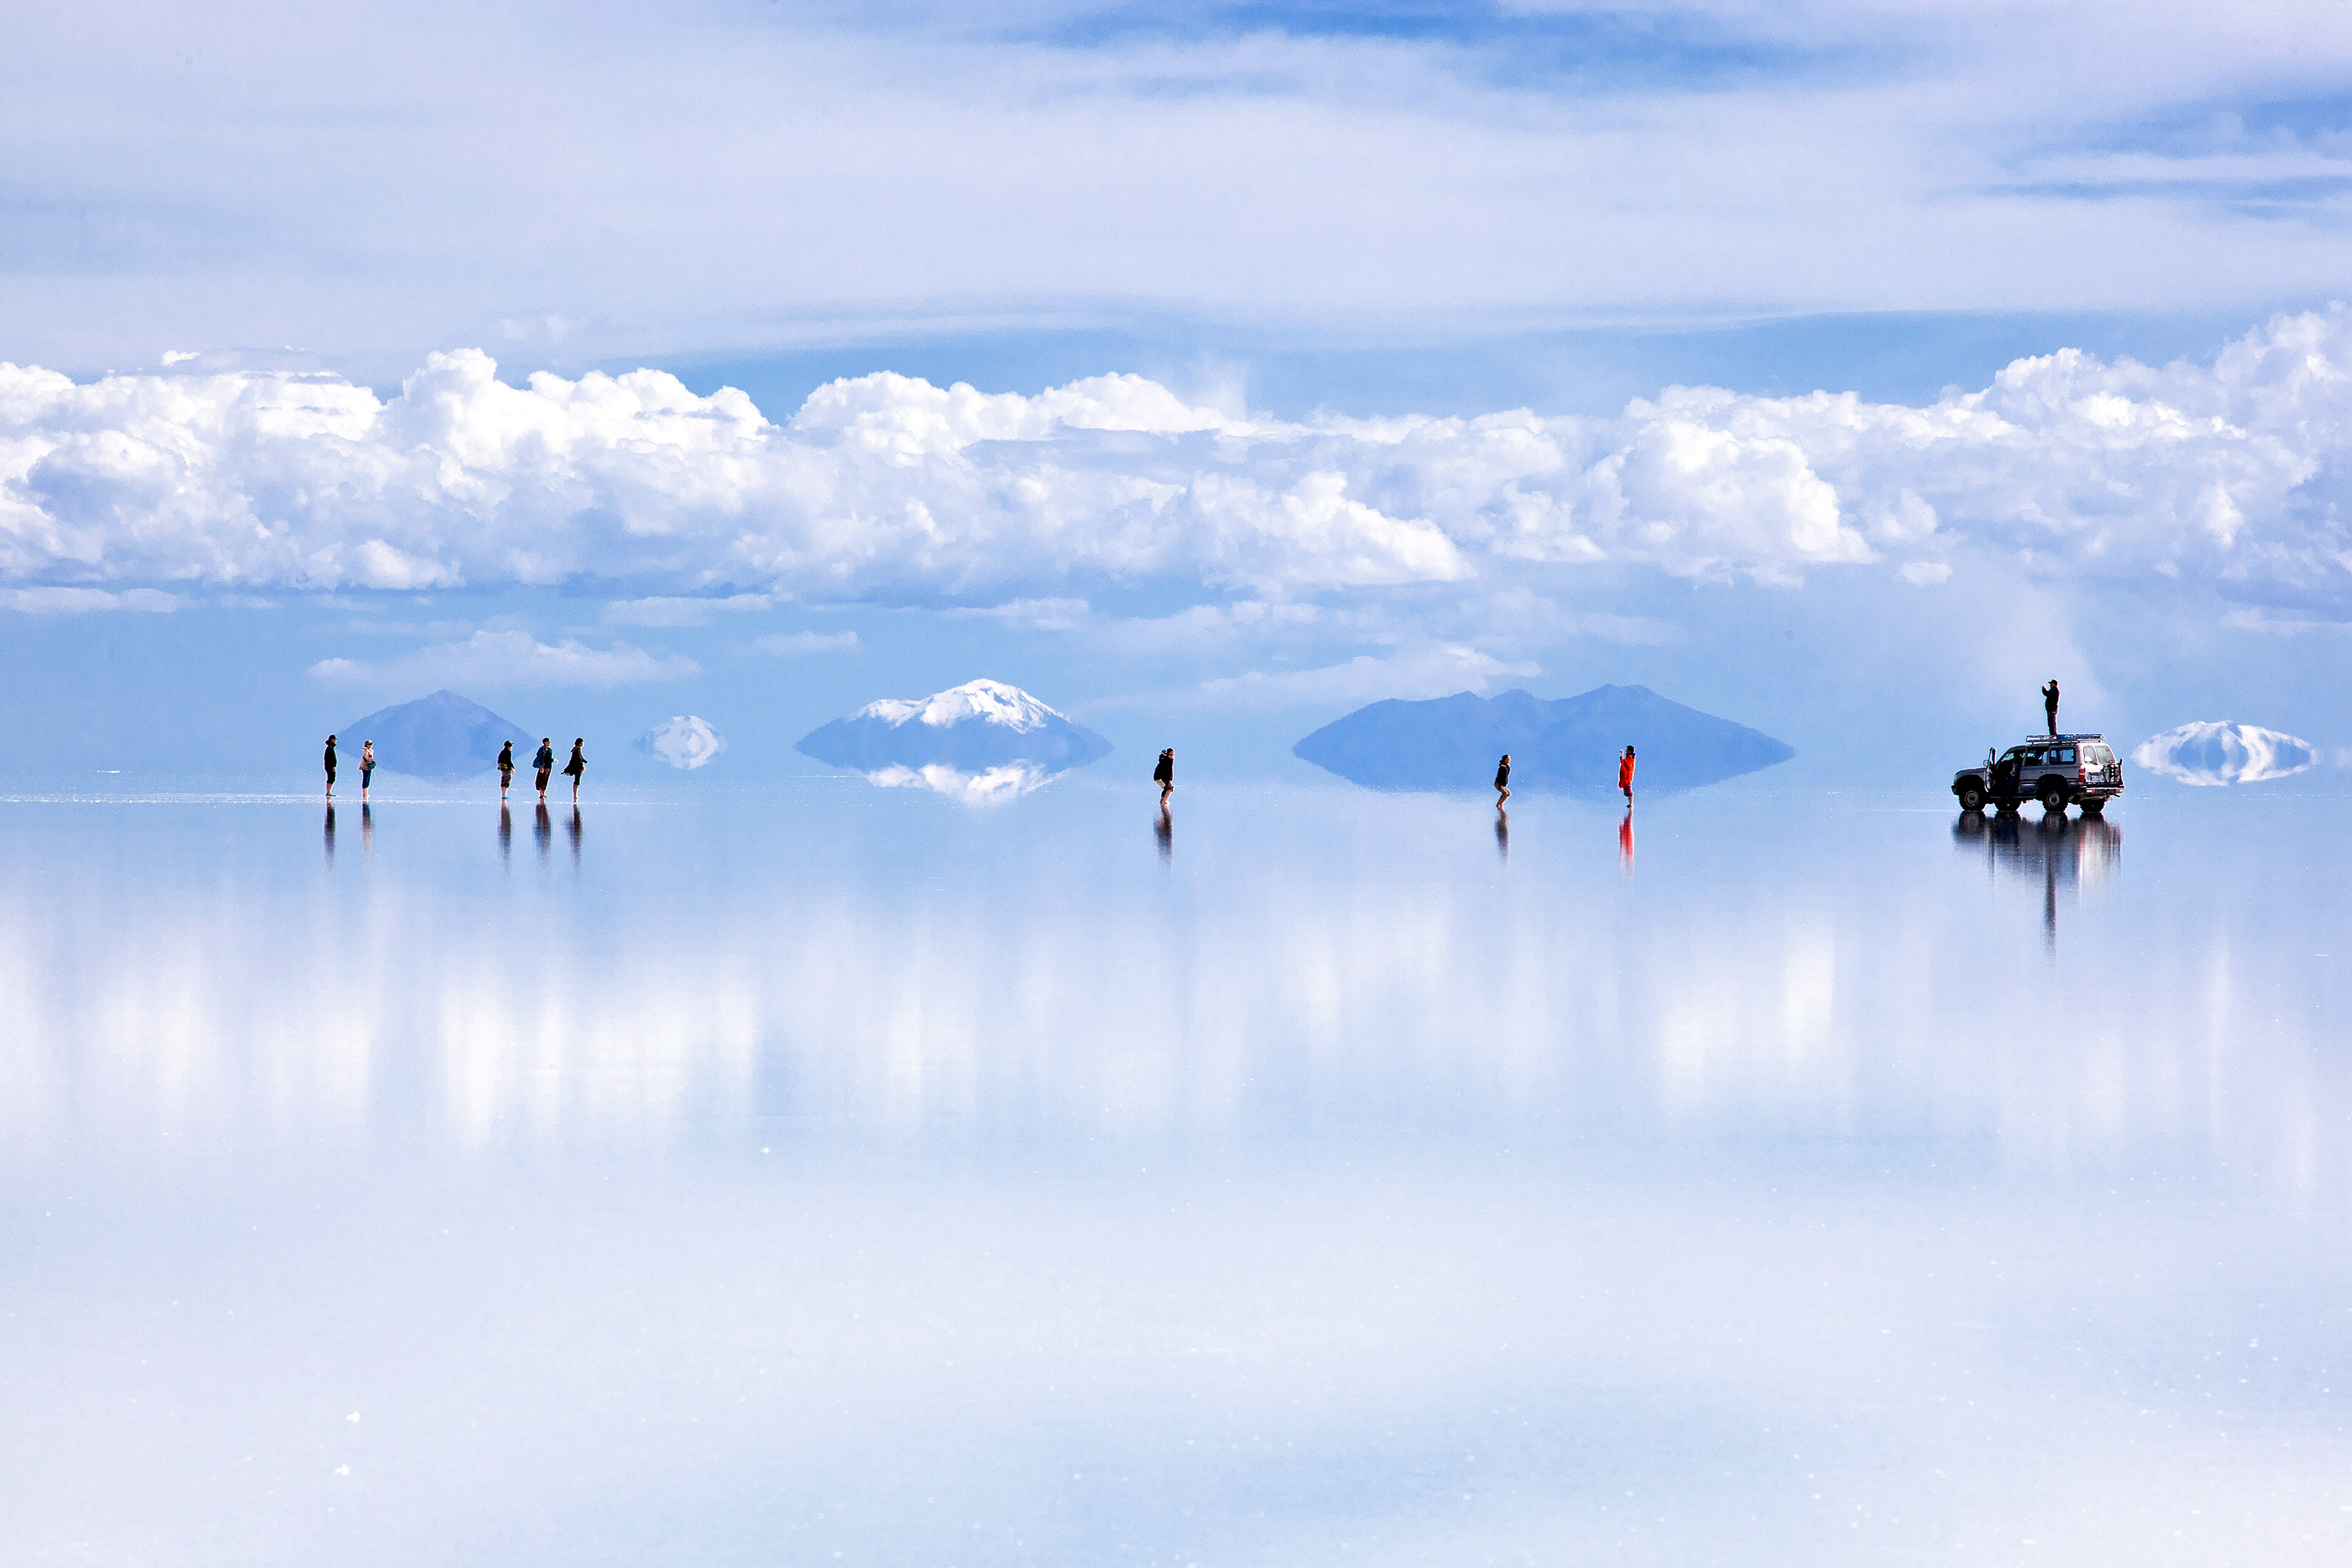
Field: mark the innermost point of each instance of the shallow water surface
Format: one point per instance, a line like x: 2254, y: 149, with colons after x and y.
x: 841, y: 1175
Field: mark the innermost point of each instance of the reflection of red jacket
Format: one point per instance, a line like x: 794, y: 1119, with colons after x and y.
x: 1624, y: 772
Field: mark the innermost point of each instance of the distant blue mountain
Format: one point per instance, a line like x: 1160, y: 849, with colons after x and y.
x: 443, y: 736
x: 1573, y: 744
x: 972, y: 728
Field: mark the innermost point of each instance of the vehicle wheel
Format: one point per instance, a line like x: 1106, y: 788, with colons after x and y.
x: 2053, y: 800
x: 1971, y: 797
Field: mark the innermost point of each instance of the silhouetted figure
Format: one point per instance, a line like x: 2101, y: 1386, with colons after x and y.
x: 1164, y: 775
x: 1503, y: 833
x: 367, y: 771
x: 1502, y: 780
x: 542, y: 829
x: 367, y: 827
x: 506, y: 834
x: 1625, y: 774
x: 331, y: 836
x: 1163, y: 828
x: 572, y: 827
x: 2004, y: 781
x: 506, y: 770
x: 331, y: 767
x: 544, y: 761
x: 2050, y: 705
x: 577, y: 768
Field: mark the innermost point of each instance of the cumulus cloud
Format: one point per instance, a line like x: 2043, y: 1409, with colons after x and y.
x: 2224, y: 753
x: 682, y: 611
x: 513, y: 659
x: 793, y: 645
x: 81, y: 601
x: 686, y: 741
x: 1436, y: 670
x: 2229, y: 474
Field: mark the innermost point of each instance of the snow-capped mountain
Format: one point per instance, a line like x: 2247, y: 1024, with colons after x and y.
x: 973, y: 728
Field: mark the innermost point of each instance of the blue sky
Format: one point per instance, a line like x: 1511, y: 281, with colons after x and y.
x: 1318, y: 234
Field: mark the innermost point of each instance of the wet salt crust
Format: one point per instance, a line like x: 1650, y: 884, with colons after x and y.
x: 846, y: 1171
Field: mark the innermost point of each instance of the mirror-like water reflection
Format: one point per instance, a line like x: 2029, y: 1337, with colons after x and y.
x: 839, y: 1171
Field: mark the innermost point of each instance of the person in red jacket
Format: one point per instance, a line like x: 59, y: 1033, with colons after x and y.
x: 1625, y: 774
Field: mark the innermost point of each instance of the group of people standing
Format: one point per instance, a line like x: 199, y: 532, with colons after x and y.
x: 544, y: 762
x: 1503, y: 778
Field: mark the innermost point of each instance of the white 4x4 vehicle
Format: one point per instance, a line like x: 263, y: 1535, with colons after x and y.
x: 2059, y: 771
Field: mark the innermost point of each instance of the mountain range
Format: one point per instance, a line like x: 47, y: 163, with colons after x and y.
x: 971, y: 728
x: 1571, y: 743
x: 443, y: 736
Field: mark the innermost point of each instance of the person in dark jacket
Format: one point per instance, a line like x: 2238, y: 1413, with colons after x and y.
x: 506, y: 770
x: 544, y: 761
x: 577, y: 767
x: 1502, y: 780
x: 1164, y: 775
x: 331, y: 767
x: 2050, y: 706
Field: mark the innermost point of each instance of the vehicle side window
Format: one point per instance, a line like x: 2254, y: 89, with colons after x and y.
x: 2066, y: 755
x: 2028, y: 757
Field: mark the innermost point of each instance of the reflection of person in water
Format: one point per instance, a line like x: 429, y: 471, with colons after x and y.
x: 1502, y: 780
x: 1163, y: 828
x: 542, y: 829
x: 331, y: 833
x: 572, y: 827
x: 1164, y: 775
x: 1503, y: 833
x: 506, y: 770
x: 1625, y: 843
x: 1625, y: 774
x: 506, y: 834
x: 2049, y: 704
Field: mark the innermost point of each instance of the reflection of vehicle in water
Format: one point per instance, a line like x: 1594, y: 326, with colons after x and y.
x: 2058, y: 770
x: 2055, y: 851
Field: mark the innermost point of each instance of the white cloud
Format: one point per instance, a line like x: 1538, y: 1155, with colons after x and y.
x: 81, y: 601
x: 2231, y: 475
x: 513, y: 659
x: 2224, y: 754
x: 1436, y: 671
x: 686, y: 741
x: 1032, y: 615
x: 682, y: 611
x: 792, y: 644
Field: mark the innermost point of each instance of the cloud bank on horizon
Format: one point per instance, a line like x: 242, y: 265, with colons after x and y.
x: 2229, y: 475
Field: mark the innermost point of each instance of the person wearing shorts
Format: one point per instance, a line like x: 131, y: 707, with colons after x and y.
x: 367, y: 765
x: 545, y: 763
x: 506, y: 770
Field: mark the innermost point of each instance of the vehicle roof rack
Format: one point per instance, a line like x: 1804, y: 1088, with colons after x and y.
x: 2047, y: 740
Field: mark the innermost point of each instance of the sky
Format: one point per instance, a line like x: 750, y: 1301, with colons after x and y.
x: 1847, y: 370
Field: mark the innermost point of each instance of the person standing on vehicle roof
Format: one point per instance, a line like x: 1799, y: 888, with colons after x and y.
x: 2050, y: 705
